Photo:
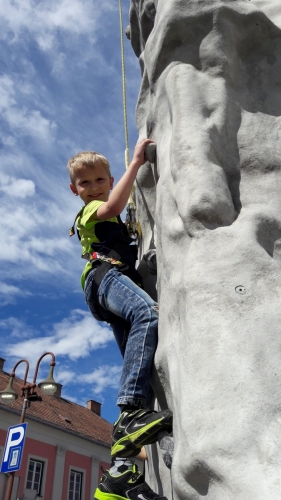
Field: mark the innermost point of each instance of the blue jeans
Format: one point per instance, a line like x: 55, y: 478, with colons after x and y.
x: 134, y: 321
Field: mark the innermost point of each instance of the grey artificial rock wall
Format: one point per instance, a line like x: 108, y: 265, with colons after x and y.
x: 211, y: 99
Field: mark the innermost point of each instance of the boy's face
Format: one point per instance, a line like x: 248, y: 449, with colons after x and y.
x: 92, y: 183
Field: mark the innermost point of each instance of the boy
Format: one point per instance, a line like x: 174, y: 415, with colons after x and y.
x: 109, y: 283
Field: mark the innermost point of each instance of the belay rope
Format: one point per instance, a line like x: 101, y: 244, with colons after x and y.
x: 127, y: 153
x: 131, y: 222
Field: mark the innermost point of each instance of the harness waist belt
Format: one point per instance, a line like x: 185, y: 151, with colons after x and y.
x: 99, y: 256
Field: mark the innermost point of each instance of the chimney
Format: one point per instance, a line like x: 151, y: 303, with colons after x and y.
x: 2, y: 362
x: 58, y: 391
x: 94, y: 406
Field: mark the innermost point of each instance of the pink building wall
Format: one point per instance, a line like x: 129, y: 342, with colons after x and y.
x: 47, y: 451
x: 73, y: 460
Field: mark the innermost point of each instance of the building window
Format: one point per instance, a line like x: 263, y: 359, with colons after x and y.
x: 34, y: 475
x: 75, y: 485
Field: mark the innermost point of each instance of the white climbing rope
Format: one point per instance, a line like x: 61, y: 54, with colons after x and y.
x: 127, y: 152
x: 131, y: 221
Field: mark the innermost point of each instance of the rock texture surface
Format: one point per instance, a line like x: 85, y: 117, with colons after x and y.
x: 211, y: 100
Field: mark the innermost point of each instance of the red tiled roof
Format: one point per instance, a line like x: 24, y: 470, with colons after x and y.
x: 61, y: 412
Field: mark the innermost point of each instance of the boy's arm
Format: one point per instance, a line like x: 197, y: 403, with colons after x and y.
x: 120, y: 194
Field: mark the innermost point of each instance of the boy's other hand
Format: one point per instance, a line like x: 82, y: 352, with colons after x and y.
x: 138, y: 157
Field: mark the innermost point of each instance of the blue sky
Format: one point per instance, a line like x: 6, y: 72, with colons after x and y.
x: 60, y: 93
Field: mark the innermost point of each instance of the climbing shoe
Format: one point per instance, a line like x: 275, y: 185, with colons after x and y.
x: 136, y: 428
x: 128, y: 485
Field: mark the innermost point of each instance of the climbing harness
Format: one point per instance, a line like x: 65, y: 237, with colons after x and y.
x: 100, y: 256
x: 131, y: 222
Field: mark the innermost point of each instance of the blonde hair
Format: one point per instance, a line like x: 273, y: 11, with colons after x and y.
x: 89, y: 159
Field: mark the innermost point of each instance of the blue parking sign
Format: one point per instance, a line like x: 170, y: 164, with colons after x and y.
x: 12, y: 455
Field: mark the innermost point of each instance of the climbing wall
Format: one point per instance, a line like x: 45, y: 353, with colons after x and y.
x: 211, y: 99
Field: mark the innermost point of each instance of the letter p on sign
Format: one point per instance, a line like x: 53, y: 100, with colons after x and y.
x: 13, y: 448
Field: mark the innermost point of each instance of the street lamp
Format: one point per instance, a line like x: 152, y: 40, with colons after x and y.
x: 49, y: 386
x: 8, y: 396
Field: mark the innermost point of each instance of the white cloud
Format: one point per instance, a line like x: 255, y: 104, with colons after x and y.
x: 102, y: 378
x: 8, y: 293
x: 17, y: 188
x: 40, y: 241
x: 20, y: 120
x: 15, y: 327
x: 9, y: 289
x: 29, y: 122
x: 74, y: 337
x: 7, y: 92
x: 65, y: 376
x: 44, y: 20
x: 8, y: 140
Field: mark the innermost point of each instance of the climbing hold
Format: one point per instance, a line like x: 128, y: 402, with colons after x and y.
x: 150, y: 152
x: 128, y: 32
x: 150, y: 9
x: 166, y: 445
x: 240, y: 289
x: 151, y: 261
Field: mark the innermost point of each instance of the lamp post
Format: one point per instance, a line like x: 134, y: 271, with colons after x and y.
x: 8, y: 396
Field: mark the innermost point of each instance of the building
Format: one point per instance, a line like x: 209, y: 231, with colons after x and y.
x: 66, y: 448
